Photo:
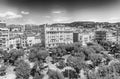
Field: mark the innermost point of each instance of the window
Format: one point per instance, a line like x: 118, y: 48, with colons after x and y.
x: 80, y: 37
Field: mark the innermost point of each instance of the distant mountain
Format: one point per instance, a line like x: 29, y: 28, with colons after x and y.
x: 86, y: 24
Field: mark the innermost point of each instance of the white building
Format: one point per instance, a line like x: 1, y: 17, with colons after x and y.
x: 23, y: 40
x: 32, y: 39
x: 4, y: 36
x: 111, y: 37
x: 37, y: 39
x: 57, y: 34
x: 84, y: 38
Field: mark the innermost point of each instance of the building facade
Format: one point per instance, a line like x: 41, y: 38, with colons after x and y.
x: 4, y: 36
x: 86, y: 37
x: 100, y: 35
x: 14, y: 41
x: 57, y: 34
x: 110, y: 36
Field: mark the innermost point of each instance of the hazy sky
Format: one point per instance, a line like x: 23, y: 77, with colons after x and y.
x: 57, y: 11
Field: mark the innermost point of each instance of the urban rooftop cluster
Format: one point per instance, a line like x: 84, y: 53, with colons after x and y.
x: 50, y: 36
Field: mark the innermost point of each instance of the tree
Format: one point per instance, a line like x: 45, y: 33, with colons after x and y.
x: 14, y: 54
x: 38, y: 46
x: 39, y: 55
x: 61, y: 64
x: 42, y: 54
x: 60, y: 50
x: 87, y: 52
x: 38, y: 76
x: 116, y: 67
x: 76, y: 62
x: 91, y: 75
x: 106, y: 45
x: 33, y: 55
x: 22, y: 69
x: 70, y: 74
x: 3, y: 53
x: 97, y: 48
x: 3, y: 70
x: 102, y: 72
x: 96, y: 59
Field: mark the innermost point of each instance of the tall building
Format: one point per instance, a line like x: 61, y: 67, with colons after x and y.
x: 56, y: 34
x: 4, y: 35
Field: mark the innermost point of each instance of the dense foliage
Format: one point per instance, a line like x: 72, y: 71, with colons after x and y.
x: 94, y: 61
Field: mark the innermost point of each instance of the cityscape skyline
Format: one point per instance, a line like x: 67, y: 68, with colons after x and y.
x: 58, y: 11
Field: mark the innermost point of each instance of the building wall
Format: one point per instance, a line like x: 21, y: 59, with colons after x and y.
x: 14, y: 41
x: 4, y: 36
x: 100, y: 35
x: 37, y: 40
x: 75, y: 37
x: 43, y: 34
x: 111, y: 37
x: 57, y: 34
x: 30, y: 40
x: 24, y: 42
x: 84, y: 38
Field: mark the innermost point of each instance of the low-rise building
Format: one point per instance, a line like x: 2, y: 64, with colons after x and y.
x: 86, y: 37
x: 101, y: 34
x: 110, y: 36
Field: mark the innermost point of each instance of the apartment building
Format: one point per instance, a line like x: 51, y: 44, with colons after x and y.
x: 111, y: 36
x: 14, y: 41
x: 85, y: 37
x: 57, y: 34
x: 23, y: 40
x: 101, y: 34
x: 16, y: 27
x: 4, y: 35
x: 15, y: 30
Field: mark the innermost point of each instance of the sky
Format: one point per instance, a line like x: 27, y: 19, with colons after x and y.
x: 59, y: 11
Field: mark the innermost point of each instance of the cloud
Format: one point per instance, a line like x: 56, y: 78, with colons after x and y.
x: 47, y: 16
x: 57, y: 12
x: 61, y: 19
x: 25, y: 13
x: 10, y: 15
